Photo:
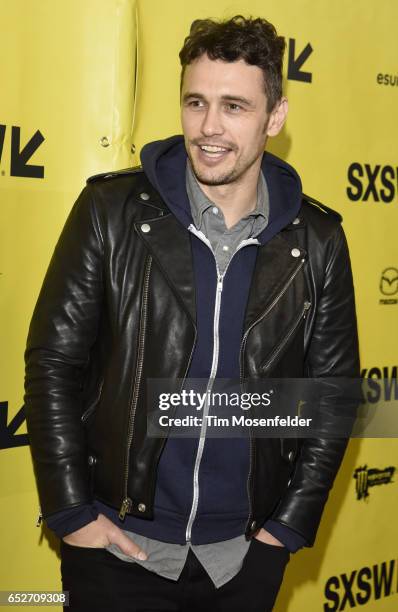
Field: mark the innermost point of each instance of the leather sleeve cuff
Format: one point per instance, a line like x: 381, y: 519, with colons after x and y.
x: 291, y: 539
x: 67, y: 521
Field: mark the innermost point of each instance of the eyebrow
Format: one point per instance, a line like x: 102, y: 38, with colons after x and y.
x: 226, y: 98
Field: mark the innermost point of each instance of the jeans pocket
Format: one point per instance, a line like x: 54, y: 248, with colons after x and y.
x: 73, y: 547
x: 280, y: 551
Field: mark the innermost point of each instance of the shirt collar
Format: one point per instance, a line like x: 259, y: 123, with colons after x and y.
x: 200, y: 202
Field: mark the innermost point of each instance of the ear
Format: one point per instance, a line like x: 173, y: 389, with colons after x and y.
x: 277, y: 117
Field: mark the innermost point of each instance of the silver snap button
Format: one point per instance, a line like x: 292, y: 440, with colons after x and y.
x: 296, y: 221
x: 253, y: 525
x: 91, y: 460
x: 295, y: 252
x: 144, y: 195
x: 215, y: 210
x: 145, y: 227
x: 225, y: 247
x: 141, y: 507
x: 290, y: 456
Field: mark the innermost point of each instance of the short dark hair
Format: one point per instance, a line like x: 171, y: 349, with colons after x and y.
x: 254, y: 40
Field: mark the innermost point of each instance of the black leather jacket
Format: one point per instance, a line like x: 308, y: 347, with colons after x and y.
x: 117, y: 306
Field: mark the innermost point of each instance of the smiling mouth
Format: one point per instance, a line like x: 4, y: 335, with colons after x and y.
x: 213, y: 151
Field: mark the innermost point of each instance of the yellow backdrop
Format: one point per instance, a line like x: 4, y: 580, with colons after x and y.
x: 84, y: 85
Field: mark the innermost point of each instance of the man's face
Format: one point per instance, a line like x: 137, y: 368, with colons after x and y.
x: 224, y: 119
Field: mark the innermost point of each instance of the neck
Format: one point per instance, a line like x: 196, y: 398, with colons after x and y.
x: 235, y: 199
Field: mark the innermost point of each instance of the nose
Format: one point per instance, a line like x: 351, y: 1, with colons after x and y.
x: 212, y: 123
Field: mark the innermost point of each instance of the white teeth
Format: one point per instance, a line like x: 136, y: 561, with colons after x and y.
x: 212, y: 149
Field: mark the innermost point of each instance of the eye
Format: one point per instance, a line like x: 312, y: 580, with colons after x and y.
x: 195, y: 103
x: 235, y: 108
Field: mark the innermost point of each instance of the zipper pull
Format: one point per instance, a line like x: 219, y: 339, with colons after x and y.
x: 125, y: 507
x: 219, y: 282
x: 307, y: 306
x: 39, y: 518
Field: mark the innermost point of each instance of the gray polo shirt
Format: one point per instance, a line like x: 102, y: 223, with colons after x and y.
x: 221, y: 560
x: 210, y: 220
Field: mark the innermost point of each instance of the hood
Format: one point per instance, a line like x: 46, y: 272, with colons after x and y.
x: 164, y: 163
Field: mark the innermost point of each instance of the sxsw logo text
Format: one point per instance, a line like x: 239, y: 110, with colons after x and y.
x: 372, y: 183
x: 381, y: 384
x: 361, y: 586
x: 20, y: 155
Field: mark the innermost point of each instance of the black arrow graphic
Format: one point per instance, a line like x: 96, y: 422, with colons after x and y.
x: 8, y: 439
x: 294, y: 64
x: 19, y: 159
x: 2, y: 134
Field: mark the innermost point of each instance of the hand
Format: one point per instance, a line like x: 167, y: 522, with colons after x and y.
x: 101, y: 533
x: 267, y: 537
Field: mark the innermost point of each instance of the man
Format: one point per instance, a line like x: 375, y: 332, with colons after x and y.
x: 208, y: 262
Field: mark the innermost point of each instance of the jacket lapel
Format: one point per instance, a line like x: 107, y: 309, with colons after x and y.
x: 276, y: 264
x: 169, y: 243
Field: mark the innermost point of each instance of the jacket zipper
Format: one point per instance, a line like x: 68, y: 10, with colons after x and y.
x: 243, y: 344
x: 127, y: 501
x: 285, y: 340
x: 214, y: 366
x: 92, y: 406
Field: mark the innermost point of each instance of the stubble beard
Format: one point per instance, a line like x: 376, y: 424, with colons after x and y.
x: 231, y: 176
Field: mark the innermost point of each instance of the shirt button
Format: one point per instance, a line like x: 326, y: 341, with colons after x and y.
x: 225, y: 247
x: 215, y: 210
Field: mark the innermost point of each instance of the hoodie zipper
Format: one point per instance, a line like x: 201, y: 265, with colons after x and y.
x: 214, y: 367
x: 202, y: 438
x: 127, y: 501
x: 243, y: 344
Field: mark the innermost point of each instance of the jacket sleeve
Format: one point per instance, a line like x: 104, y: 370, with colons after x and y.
x: 63, y: 327
x: 333, y: 352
